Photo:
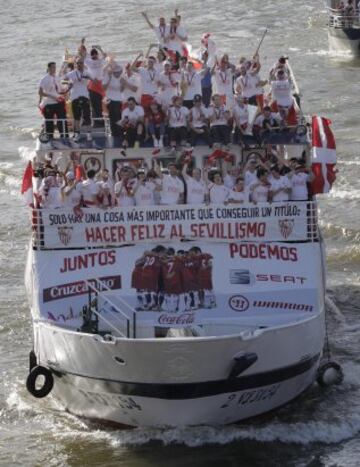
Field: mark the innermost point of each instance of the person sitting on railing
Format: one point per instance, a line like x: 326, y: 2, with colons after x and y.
x: 112, y: 87
x: 155, y: 124
x: 280, y: 185
x: 124, y: 189
x: 95, y: 65
x: 144, y: 189
x: 237, y: 193
x: 50, y: 194
x: 282, y: 99
x: 132, y: 124
x: 172, y: 187
x: 280, y: 65
x: 218, y: 192
x: 199, y: 122
x: 259, y: 190
x: 52, y: 102
x: 300, y: 178
x: 79, y: 95
x: 89, y: 190
x: 249, y: 84
x: 177, y: 117
x: 70, y: 191
x: 196, y: 188
x: 219, y: 118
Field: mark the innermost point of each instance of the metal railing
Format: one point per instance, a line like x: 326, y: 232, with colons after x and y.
x: 337, y: 19
x: 100, y: 127
x: 96, y: 291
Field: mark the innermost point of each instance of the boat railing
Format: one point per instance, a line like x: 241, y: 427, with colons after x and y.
x: 96, y: 290
x: 338, y: 19
x: 100, y: 127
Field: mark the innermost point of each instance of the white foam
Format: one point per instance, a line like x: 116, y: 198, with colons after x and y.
x: 26, y: 153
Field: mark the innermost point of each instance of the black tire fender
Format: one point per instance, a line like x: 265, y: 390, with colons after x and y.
x: 31, y: 382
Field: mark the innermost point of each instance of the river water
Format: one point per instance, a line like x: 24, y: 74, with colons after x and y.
x: 321, y: 428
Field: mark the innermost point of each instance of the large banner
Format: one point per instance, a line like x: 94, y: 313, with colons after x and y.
x: 216, y: 223
x: 181, y: 284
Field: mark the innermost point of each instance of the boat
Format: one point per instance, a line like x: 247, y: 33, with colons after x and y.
x: 343, y: 29
x: 248, y: 338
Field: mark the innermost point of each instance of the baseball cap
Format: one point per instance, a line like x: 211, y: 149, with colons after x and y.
x: 197, y: 98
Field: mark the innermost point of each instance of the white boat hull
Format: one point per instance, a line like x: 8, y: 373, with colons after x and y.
x: 177, y: 382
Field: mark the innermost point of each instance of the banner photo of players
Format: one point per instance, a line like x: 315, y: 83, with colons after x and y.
x: 176, y: 279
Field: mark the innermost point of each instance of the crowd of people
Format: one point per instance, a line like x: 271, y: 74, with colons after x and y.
x: 347, y: 13
x: 170, y: 97
x: 271, y: 180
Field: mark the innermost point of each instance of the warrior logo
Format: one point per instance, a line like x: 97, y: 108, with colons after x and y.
x: 286, y: 227
x: 65, y: 234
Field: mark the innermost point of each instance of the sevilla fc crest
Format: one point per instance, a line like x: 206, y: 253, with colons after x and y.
x: 65, y: 234
x: 286, y: 227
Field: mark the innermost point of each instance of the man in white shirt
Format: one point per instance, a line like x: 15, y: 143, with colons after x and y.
x: 176, y: 36
x: 168, y: 85
x: 241, y: 117
x: 299, y: 183
x: 79, y: 95
x: 223, y: 79
x: 177, y: 116
x: 130, y: 86
x: 52, y: 102
x: 280, y: 185
x: 219, y: 121
x: 199, y: 121
x: 89, y: 190
x: 218, y: 192
x: 112, y: 87
x: 161, y: 31
x: 124, y: 188
x: 191, y: 83
x: 132, y: 124
x: 95, y: 65
x: 50, y: 194
x: 196, y: 189
x: 149, y: 78
x: 172, y: 187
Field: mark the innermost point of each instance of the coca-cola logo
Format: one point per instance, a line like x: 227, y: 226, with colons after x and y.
x: 238, y: 303
x: 183, y: 319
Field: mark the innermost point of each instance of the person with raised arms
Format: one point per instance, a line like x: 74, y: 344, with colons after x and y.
x: 168, y: 85
x: 149, y: 78
x: 191, y: 83
x: 196, y: 188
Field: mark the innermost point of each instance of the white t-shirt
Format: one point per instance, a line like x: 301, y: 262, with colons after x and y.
x: 161, y: 32
x: 248, y: 85
x: 177, y: 116
x: 196, y: 190
x: 89, y: 189
x: 260, y: 193
x: 175, y: 44
x: 71, y: 196
x: 199, y: 116
x: 113, y: 89
x: 280, y: 183
x: 51, y: 198
x: 95, y: 67
x: 229, y: 181
x: 274, y: 118
x: 133, y: 115
x: 224, y: 82
x: 281, y: 93
x: 171, y: 189
x: 50, y: 85
x: 240, y: 196
x: 79, y: 81
x: 193, y: 84
x: 218, y: 193
x: 127, y: 92
x: 250, y: 178
x: 217, y: 115
x: 169, y: 87
x: 122, y: 193
x: 144, y: 195
x: 241, y: 115
x: 149, y: 80
x: 299, y: 190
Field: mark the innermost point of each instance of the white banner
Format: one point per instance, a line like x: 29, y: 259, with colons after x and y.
x: 214, y: 223
x: 188, y: 281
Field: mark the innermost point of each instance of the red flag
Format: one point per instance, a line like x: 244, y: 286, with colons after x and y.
x: 26, y: 185
x: 217, y: 154
x: 323, y: 155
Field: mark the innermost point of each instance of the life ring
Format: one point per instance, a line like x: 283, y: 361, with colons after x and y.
x: 46, y: 387
x: 301, y: 130
x: 329, y: 373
